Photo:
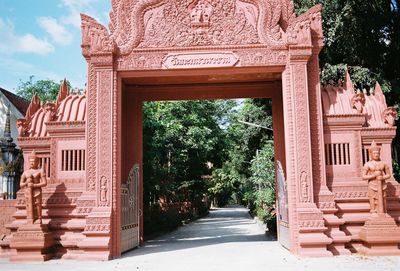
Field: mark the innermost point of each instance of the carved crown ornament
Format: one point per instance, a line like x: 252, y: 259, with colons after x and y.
x: 146, y: 24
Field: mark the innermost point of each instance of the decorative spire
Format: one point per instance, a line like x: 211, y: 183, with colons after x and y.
x: 34, y: 106
x: 379, y: 94
x: 7, y: 128
x: 63, y: 93
x: 348, y: 84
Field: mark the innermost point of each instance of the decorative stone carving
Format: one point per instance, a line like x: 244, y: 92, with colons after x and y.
x: 95, y: 37
x: 380, y: 234
x: 22, y: 127
x: 200, y: 14
x: 305, y: 190
x: 103, y: 190
x: 32, y: 241
x: 50, y: 112
x: 344, y: 100
x: 301, y: 29
x: 358, y: 102
x: 183, y: 23
x: 32, y: 181
x: 390, y: 116
x: 376, y: 172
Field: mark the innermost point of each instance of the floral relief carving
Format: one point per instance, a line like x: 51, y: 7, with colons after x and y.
x: 302, y: 133
x: 262, y: 57
x: 91, y: 132
x: 105, y: 125
x: 183, y: 23
x: 143, y: 61
x: 305, y: 26
x: 95, y: 37
x: 249, y: 57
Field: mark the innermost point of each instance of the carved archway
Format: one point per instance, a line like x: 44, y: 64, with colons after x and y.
x: 145, y: 36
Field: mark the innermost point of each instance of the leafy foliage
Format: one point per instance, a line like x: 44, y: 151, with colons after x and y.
x: 366, y: 36
x: 182, y: 141
x: 263, y: 176
x: 362, y: 78
x: 47, y: 90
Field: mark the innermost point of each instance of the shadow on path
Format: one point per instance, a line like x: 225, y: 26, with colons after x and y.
x: 232, y: 224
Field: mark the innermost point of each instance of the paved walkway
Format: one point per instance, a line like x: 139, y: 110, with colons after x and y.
x: 227, y: 239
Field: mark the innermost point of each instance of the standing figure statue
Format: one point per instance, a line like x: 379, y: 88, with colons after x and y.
x: 33, y: 180
x: 376, y: 172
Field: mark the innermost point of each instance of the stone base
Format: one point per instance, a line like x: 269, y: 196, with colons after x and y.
x: 380, y: 236
x: 32, y: 242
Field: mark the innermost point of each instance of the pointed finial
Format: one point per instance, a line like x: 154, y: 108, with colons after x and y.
x: 7, y: 128
x: 374, y: 147
x: 379, y: 95
x: 63, y: 92
x: 378, y: 89
x: 348, y: 83
x: 34, y: 106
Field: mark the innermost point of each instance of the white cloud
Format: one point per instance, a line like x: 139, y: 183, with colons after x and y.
x: 75, y: 8
x: 57, y: 31
x: 27, y: 43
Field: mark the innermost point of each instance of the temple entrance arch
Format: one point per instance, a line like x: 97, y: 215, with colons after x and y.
x: 199, y: 84
x: 168, y: 44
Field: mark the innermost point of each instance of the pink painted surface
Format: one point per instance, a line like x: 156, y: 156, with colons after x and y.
x: 7, y: 209
x: 89, y: 142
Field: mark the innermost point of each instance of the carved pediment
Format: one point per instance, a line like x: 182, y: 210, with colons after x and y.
x: 186, y: 23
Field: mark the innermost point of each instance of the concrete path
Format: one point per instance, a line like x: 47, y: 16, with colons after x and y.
x: 227, y: 239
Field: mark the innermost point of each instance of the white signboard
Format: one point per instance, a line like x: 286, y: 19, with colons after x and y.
x: 199, y: 60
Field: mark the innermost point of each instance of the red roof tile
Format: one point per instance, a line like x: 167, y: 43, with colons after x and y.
x: 20, y: 103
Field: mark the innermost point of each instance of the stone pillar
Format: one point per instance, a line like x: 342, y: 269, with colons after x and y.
x: 101, y: 148
x: 306, y: 220
x: 324, y: 198
x: 100, y: 157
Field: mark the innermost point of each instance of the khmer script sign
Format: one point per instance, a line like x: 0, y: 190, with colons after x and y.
x: 199, y: 60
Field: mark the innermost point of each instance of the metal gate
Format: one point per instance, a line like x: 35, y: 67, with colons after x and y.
x: 130, y: 211
x: 283, y: 207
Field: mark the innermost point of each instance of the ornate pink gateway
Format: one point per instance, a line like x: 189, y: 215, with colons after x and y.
x: 91, y: 143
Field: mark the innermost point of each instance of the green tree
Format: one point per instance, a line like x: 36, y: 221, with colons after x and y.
x: 365, y: 35
x: 47, y: 90
x: 242, y: 144
x: 182, y: 141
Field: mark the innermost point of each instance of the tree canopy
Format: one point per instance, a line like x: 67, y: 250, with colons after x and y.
x: 47, y: 90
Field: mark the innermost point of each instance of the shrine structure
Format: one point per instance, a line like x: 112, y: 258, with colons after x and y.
x: 90, y: 143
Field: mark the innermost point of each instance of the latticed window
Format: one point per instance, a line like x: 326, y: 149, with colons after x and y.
x: 337, y: 154
x: 73, y: 160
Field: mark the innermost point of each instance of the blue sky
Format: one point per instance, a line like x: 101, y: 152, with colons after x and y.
x: 42, y: 38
